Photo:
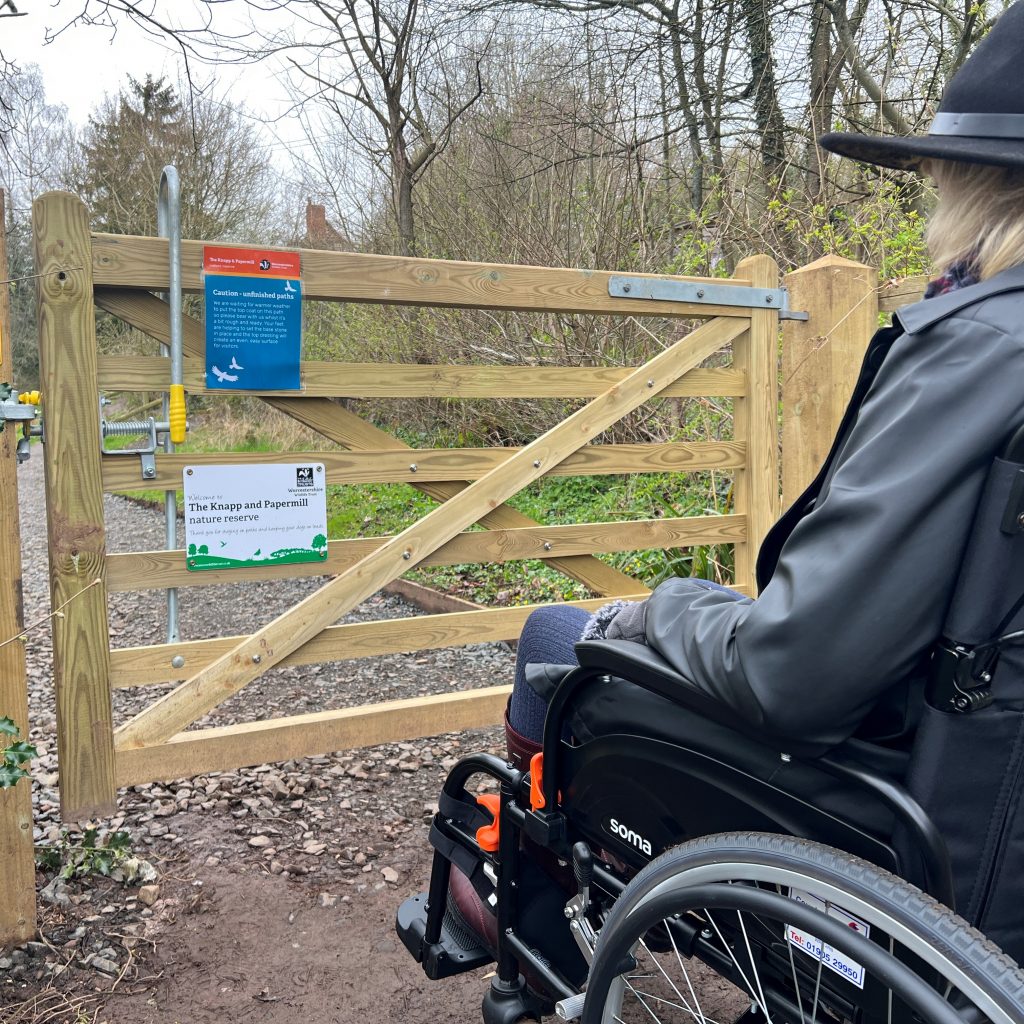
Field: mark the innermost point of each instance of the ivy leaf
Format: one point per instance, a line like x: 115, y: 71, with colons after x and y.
x: 7, y: 727
x: 89, y: 836
x: 10, y: 774
x: 48, y: 857
x: 120, y: 841
x: 20, y: 752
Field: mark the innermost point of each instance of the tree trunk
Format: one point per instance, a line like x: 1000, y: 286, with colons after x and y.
x: 823, y: 84
x: 771, y: 124
x: 693, y: 138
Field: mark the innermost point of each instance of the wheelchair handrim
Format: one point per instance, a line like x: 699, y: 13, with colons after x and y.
x: 725, y: 871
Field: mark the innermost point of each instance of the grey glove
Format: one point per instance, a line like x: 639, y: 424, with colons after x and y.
x: 618, y: 620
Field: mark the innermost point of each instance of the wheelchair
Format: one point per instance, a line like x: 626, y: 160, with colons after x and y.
x: 657, y: 861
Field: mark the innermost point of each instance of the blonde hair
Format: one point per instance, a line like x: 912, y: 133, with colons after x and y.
x: 979, y: 216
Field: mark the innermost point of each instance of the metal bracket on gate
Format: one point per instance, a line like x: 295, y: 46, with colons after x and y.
x: 701, y: 293
x: 135, y: 428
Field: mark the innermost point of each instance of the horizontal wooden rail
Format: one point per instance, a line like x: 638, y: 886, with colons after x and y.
x: 138, y: 374
x: 901, y: 293
x: 146, y: 570
x: 122, y: 472
x: 285, y: 739
x: 131, y: 261
x: 145, y: 666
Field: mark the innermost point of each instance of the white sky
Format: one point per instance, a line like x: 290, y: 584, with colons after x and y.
x: 83, y: 63
x: 86, y: 62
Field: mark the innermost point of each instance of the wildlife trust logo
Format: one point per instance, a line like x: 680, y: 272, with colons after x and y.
x: 303, y: 476
x: 628, y: 835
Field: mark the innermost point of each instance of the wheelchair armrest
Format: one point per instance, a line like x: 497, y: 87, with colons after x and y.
x: 643, y: 665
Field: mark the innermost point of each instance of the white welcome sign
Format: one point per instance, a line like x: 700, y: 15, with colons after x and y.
x: 259, y: 514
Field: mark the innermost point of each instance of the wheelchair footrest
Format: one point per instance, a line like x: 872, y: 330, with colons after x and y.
x: 458, y: 949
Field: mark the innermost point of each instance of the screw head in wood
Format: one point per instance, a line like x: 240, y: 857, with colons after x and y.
x: 650, y: 383
x: 536, y: 463
x: 413, y: 467
x: 547, y: 545
x: 627, y: 288
x: 700, y: 293
x: 177, y: 661
x: 407, y: 554
x: 256, y: 659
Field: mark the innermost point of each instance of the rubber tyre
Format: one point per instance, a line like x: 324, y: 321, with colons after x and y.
x: 716, y: 858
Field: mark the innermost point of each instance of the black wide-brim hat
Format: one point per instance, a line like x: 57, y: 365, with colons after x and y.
x: 980, y: 119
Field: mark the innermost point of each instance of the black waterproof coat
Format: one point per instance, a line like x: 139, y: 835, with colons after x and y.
x: 856, y: 578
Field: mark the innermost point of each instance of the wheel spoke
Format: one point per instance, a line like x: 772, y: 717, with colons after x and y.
x: 817, y: 993
x: 753, y: 966
x: 672, y: 984
x: 686, y: 975
x: 668, y: 1002
x: 642, y: 1002
x: 796, y: 980
x: 732, y: 956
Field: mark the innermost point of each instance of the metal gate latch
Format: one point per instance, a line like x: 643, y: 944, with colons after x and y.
x: 23, y: 409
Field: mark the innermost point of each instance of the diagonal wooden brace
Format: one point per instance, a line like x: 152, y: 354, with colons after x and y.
x: 149, y: 314
x: 233, y: 671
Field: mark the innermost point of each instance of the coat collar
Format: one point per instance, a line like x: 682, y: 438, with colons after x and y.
x: 924, y: 314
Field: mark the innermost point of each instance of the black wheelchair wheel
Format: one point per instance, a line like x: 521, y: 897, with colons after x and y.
x: 754, y: 927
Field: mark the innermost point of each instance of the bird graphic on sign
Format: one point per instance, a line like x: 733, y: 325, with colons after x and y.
x: 233, y: 365
x: 222, y: 376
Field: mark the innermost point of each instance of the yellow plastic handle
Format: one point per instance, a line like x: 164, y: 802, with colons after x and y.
x: 177, y: 413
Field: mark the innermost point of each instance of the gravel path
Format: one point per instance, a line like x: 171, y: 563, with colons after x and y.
x: 345, y: 831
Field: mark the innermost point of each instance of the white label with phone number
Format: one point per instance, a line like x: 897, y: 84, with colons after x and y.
x: 832, y: 958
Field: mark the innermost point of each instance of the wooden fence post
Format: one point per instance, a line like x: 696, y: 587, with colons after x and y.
x: 821, y: 358
x: 74, y: 505
x: 755, y: 420
x: 17, y: 863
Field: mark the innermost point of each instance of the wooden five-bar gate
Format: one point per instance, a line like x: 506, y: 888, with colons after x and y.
x: 80, y: 273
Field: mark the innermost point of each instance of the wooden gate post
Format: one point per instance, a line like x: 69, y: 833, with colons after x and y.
x: 821, y: 358
x: 755, y: 420
x: 74, y: 505
x: 17, y: 863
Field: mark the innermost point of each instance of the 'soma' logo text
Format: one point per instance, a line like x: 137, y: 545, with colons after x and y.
x: 629, y: 836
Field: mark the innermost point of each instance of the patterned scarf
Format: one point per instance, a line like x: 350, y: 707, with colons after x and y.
x: 959, y: 275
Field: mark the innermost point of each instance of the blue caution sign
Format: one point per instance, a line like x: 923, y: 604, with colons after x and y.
x: 253, y: 319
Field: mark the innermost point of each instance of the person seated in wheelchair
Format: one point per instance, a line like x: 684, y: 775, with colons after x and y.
x: 804, y: 712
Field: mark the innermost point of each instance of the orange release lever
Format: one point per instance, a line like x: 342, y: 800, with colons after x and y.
x: 487, y: 836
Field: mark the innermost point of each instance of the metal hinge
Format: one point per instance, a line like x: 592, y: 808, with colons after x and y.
x: 701, y: 293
